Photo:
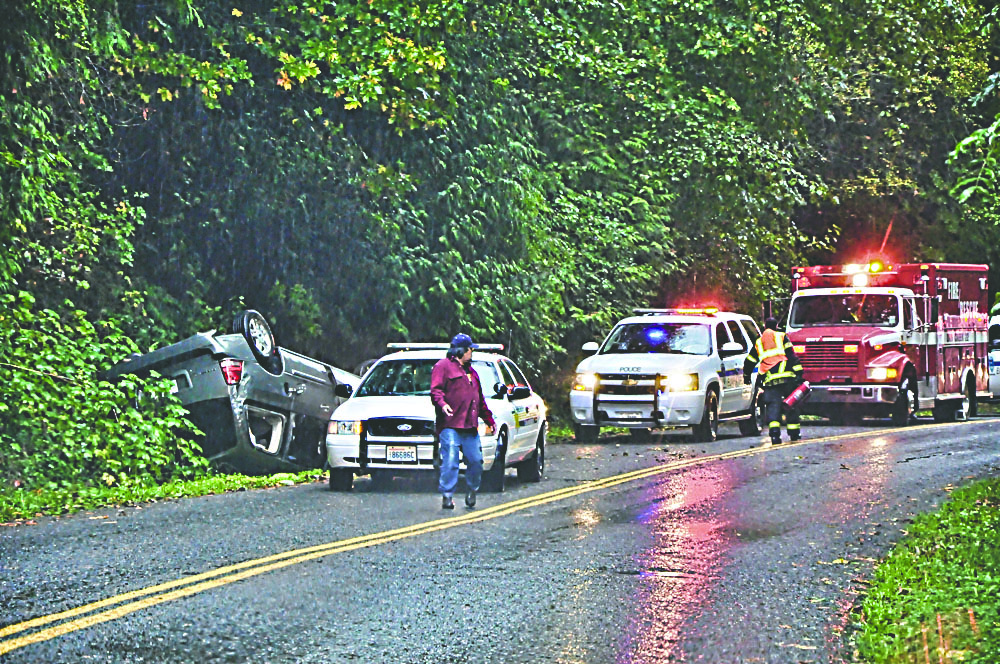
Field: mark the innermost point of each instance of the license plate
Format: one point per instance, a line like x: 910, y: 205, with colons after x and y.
x: 403, y: 454
x: 629, y: 414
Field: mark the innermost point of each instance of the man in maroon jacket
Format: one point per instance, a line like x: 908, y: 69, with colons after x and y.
x: 459, y: 403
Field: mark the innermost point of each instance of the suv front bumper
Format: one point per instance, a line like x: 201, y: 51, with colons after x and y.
x: 877, y: 394
x: 403, y: 454
x: 669, y: 409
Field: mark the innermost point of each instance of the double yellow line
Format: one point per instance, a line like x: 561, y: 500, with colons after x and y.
x: 99, y: 612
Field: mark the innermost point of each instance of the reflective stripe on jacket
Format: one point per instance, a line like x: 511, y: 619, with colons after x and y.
x: 774, y: 356
x: 770, y: 349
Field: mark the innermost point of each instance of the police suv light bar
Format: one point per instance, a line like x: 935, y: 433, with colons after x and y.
x: 705, y: 311
x: 435, y: 345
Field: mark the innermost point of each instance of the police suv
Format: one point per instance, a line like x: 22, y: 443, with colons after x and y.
x: 668, y: 368
x: 386, y: 427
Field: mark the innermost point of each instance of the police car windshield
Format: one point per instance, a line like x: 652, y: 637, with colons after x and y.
x: 679, y: 338
x: 839, y: 309
x: 411, y: 377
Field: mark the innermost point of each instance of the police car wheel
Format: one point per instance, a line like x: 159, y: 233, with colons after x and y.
x: 495, y: 479
x: 585, y: 433
x: 341, y: 479
x: 707, y: 430
x: 751, y: 426
x: 532, y: 468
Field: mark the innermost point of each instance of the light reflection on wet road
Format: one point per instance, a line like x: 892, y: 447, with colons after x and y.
x: 688, y: 537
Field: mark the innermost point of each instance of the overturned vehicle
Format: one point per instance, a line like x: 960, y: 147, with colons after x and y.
x: 262, y: 408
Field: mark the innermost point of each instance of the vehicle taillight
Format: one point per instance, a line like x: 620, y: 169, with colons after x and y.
x: 232, y: 370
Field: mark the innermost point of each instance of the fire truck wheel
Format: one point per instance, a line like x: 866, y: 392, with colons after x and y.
x: 905, y: 408
x: 969, y: 404
x: 707, y: 430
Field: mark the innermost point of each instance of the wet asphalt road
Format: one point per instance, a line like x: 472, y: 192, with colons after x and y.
x: 753, y: 558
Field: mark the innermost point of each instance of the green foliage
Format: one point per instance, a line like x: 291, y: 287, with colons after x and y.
x: 59, y: 422
x: 55, y: 230
x: 936, y: 592
x: 980, y: 158
x: 976, y: 157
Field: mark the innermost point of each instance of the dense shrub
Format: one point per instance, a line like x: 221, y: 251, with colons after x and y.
x: 60, y: 423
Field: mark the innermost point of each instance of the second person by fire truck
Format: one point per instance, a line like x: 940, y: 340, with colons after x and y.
x: 780, y: 372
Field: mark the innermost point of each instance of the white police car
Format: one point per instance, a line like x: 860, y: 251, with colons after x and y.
x: 668, y: 368
x: 386, y: 427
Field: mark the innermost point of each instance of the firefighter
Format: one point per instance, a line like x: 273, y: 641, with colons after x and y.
x: 780, y: 372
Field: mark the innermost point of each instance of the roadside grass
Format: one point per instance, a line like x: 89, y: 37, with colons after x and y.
x: 21, y: 505
x: 936, y: 598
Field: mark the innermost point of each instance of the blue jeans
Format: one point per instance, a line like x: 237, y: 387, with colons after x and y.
x: 450, y: 441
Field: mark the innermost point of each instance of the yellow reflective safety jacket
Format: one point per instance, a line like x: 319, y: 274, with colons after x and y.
x: 774, y: 357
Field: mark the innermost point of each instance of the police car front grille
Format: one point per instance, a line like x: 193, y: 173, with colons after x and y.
x: 828, y: 355
x: 398, y: 427
x: 626, y: 384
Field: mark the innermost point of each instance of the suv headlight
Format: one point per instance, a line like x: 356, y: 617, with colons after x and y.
x: 584, y: 382
x: 881, y: 373
x: 348, y: 428
x: 680, y: 382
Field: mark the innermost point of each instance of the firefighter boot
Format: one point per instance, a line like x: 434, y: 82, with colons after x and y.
x: 794, y: 432
x: 774, y: 430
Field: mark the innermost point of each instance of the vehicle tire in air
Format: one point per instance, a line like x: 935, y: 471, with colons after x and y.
x: 255, y: 329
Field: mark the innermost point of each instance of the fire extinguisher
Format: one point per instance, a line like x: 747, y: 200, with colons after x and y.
x: 797, y: 395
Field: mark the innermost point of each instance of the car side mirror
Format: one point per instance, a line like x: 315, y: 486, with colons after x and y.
x: 731, y: 348
x: 590, y: 347
x: 344, y: 390
x: 520, y: 392
x: 499, y: 390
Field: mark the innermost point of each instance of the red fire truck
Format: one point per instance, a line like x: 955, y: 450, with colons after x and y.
x: 880, y: 340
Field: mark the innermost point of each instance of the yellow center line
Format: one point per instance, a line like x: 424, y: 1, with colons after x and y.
x: 192, y: 585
